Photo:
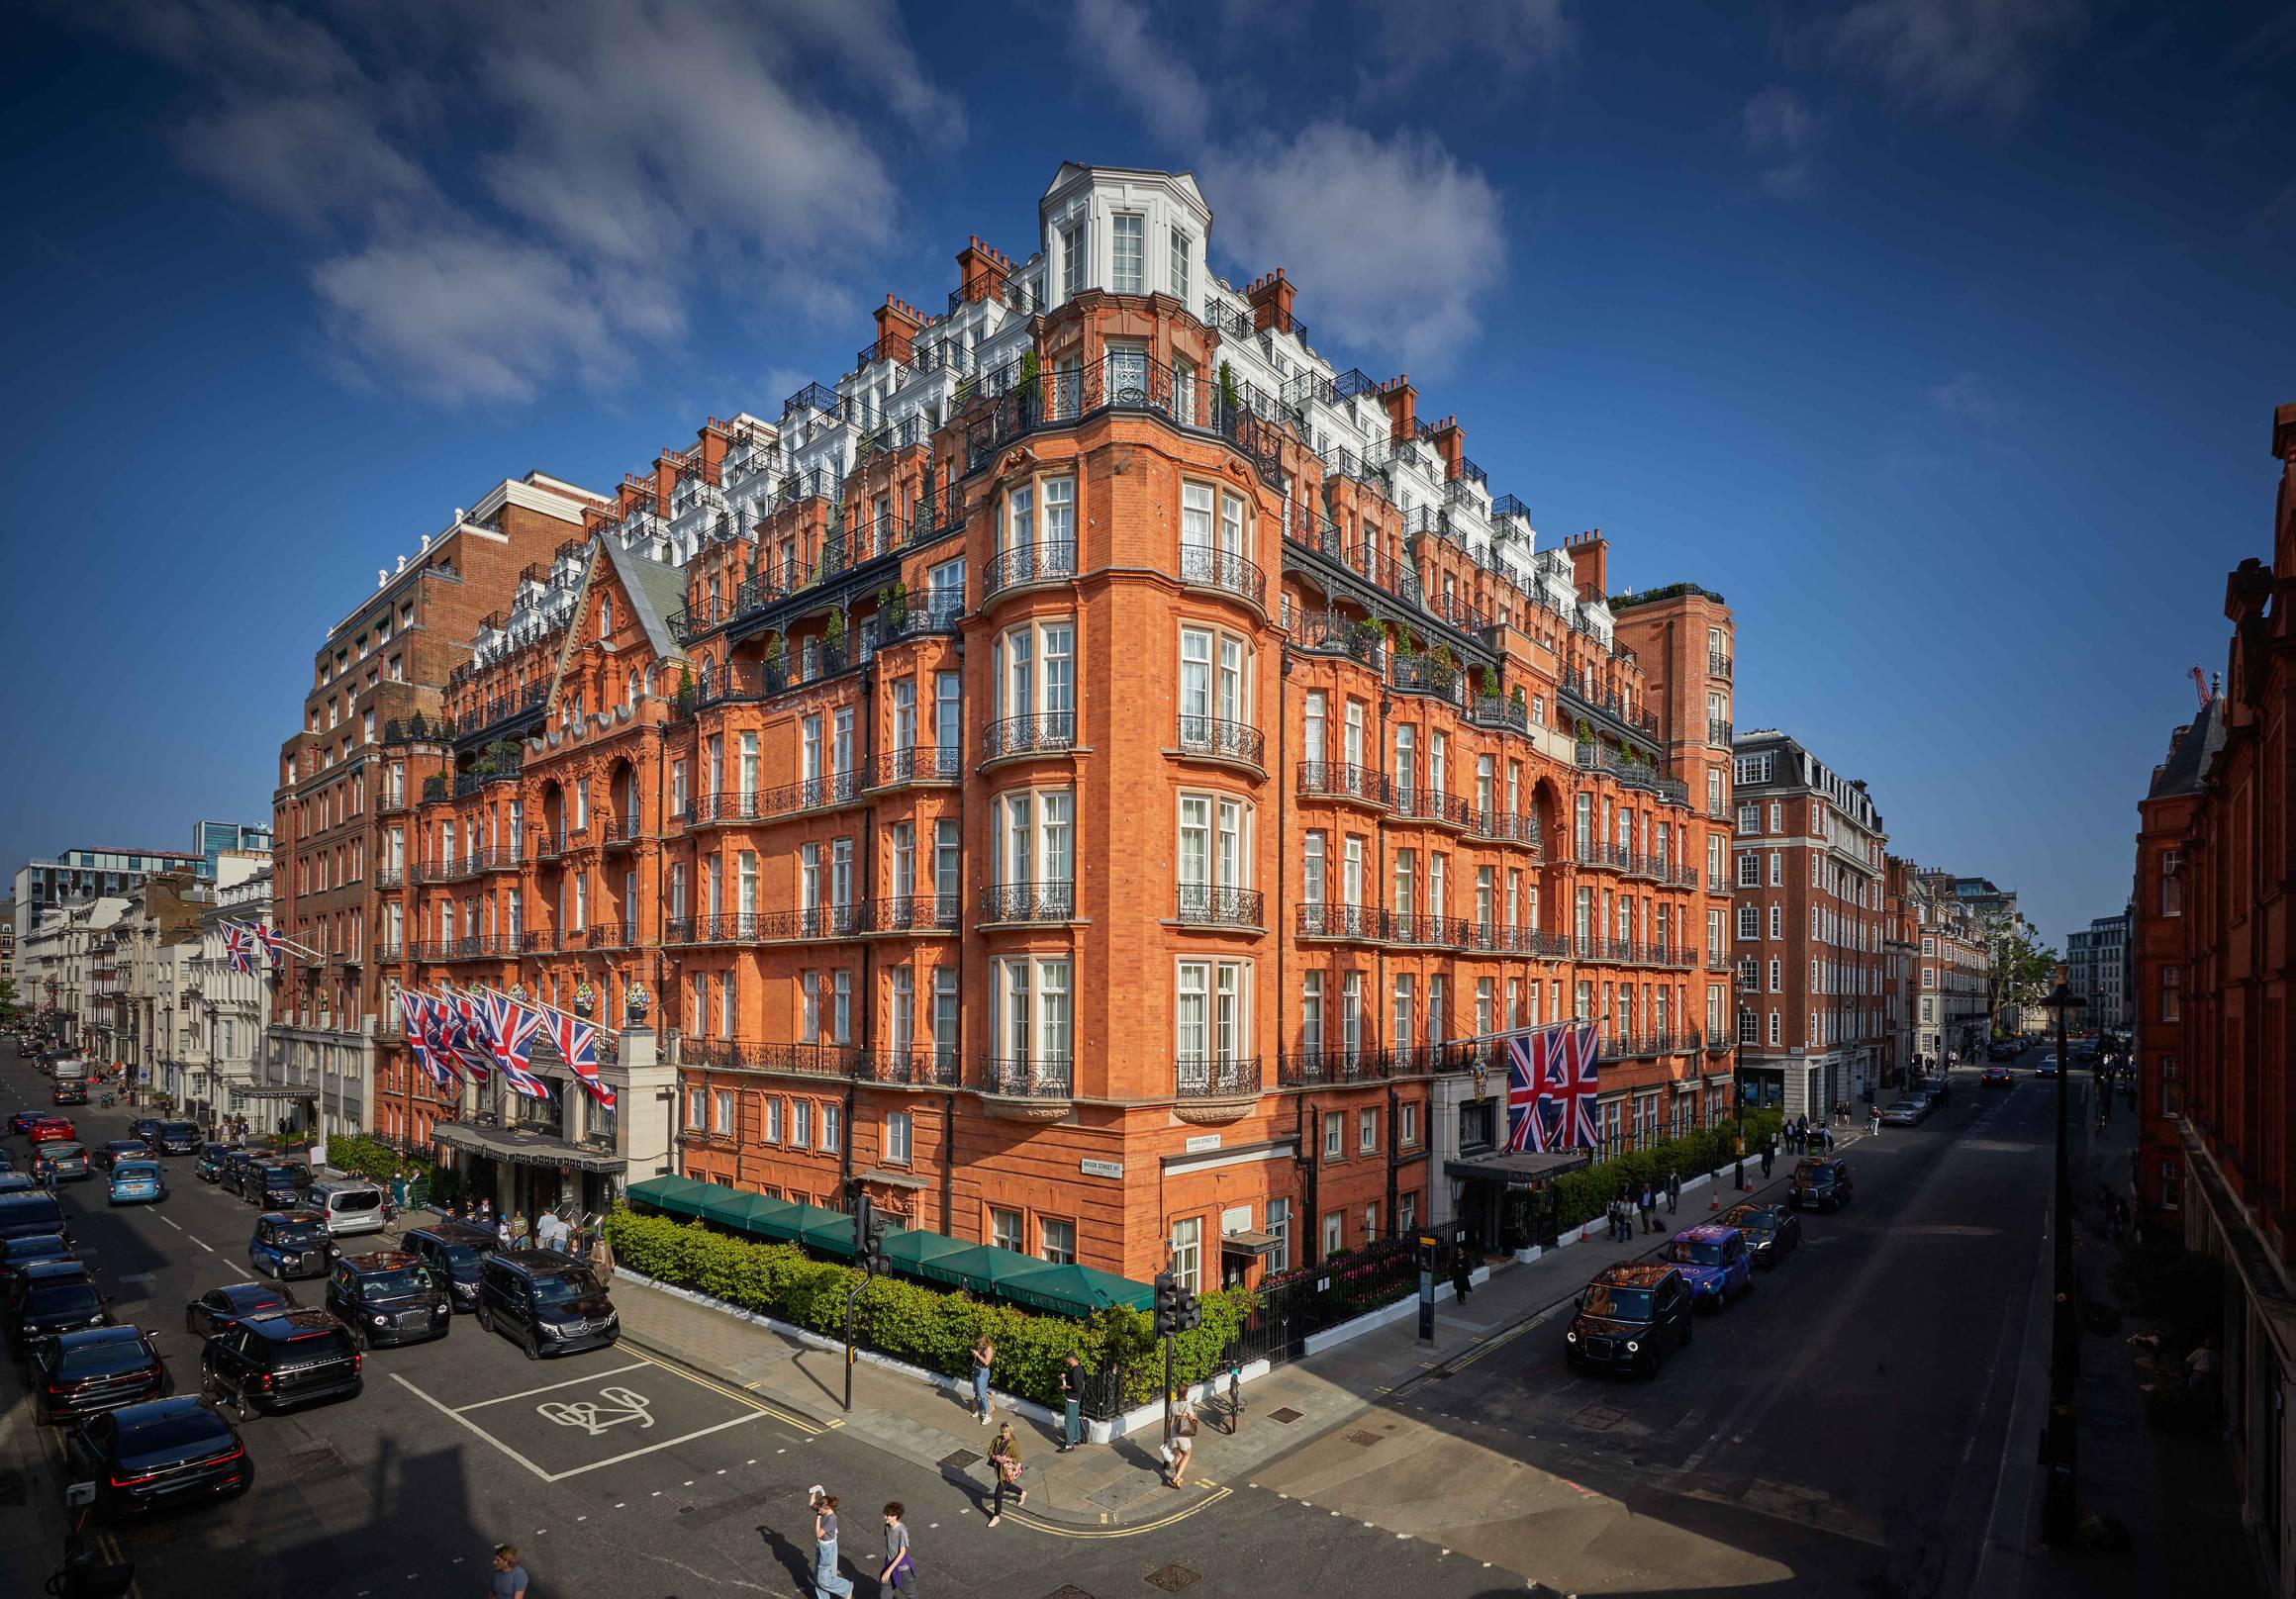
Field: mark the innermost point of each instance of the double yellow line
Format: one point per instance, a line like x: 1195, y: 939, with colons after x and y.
x: 107, y: 1543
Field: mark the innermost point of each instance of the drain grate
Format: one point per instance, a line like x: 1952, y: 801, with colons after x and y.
x: 960, y: 1460
x: 1172, y: 1578
x: 1363, y: 1440
x: 1287, y: 1414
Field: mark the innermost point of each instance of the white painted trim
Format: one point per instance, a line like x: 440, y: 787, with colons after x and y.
x: 1287, y: 1150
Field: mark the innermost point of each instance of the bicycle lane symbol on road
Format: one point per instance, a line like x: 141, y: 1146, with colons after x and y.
x: 612, y: 1408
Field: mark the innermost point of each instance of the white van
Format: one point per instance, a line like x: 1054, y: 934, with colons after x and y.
x: 72, y: 1071
x: 350, y: 1205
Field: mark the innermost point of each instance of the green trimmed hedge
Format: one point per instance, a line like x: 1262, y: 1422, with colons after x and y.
x: 925, y: 1326
x: 1580, y: 1195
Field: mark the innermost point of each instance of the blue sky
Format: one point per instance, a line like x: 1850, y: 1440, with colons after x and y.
x: 1941, y: 335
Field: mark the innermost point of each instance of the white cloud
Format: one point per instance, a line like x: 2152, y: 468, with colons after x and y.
x: 1156, y: 82
x: 1780, y: 132
x: 1510, y: 36
x: 1970, y: 397
x: 1957, y: 54
x: 515, y: 194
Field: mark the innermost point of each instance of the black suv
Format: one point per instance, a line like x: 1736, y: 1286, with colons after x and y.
x: 1819, y: 1185
x: 549, y: 1302
x: 285, y: 1358
x: 176, y: 1138
x: 1630, y: 1318
x: 275, y: 1186
x: 96, y: 1368
x: 454, y: 1250
x: 388, y: 1297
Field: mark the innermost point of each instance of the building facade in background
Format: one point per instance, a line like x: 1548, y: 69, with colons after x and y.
x: 2097, y: 969
x: 211, y: 840
x: 79, y: 876
x: 1085, y: 780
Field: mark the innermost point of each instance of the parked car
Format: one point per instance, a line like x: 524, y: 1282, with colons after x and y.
x: 19, y: 1253
x: 1905, y: 1113
x: 1772, y: 1232
x: 69, y: 1091
x: 138, y: 1183
x: 1631, y: 1317
x: 1819, y: 1184
x: 454, y: 1250
x: 94, y: 1369
x: 388, y: 1297
x: 1713, y: 1261
x: 275, y: 1186
x: 287, y: 1245
x: 21, y: 1122
x: 352, y: 1206
x: 1994, y: 1076
x: 176, y: 1138
x: 146, y: 1129
x: 48, y: 1273
x: 62, y: 1160
x: 236, y: 1165
x: 46, y: 1309
x: 48, y: 1128
x: 120, y: 1149
x: 164, y: 1452
x: 209, y: 1167
x: 280, y: 1358
x: 17, y: 1182
x: 221, y: 1308
x: 24, y: 1214
x: 545, y: 1302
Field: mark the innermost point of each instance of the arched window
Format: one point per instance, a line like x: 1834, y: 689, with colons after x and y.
x: 606, y: 616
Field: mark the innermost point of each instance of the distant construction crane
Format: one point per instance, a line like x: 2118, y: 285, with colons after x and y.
x: 2200, y: 683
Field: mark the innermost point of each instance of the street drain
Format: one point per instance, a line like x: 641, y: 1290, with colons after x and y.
x: 1172, y: 1578
x: 1287, y: 1414
x: 960, y: 1460
x: 1363, y: 1440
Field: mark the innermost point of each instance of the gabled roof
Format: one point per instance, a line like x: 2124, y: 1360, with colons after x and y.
x: 2189, y: 757
x: 655, y: 591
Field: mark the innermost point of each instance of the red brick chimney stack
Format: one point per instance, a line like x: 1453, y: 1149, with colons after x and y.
x: 981, y: 270
x: 1591, y: 564
x: 1271, y: 301
x: 1450, y: 443
x: 1403, y: 403
x: 897, y: 323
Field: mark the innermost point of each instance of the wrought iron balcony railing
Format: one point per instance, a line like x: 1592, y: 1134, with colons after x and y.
x: 1045, y: 562
x: 1025, y: 1077
x: 1028, y: 902
x: 1228, y: 740
x: 1202, y: 904
x: 1203, y: 1076
x: 1218, y: 569
x: 1047, y: 732
x: 1343, y: 779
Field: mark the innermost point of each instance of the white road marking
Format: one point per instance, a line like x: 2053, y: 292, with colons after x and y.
x: 529, y: 1393
x: 242, y: 1270
x: 171, y: 1224
x: 450, y: 1415
x: 210, y: 1247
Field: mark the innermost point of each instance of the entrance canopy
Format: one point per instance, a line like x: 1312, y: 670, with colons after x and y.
x: 1518, y: 1167
x: 520, y: 1147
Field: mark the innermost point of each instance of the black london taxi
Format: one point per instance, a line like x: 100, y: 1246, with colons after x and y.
x: 546, y: 1302
x: 213, y: 1158
x: 225, y: 1307
x: 1772, y: 1232
x: 96, y: 1368
x: 1819, y: 1184
x: 237, y: 1166
x: 163, y: 1452
x: 280, y: 1360
x: 176, y: 1138
x: 388, y: 1296
x: 454, y: 1250
x: 1631, y: 1317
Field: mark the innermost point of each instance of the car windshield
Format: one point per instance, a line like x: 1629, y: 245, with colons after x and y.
x: 560, y: 1287
x: 1619, y: 1304
x: 461, y: 1255
x: 400, y: 1280
x: 300, y: 1234
x: 1695, y: 1252
x: 102, y: 1360
x: 71, y: 1298
x: 135, y: 1171
x: 1755, y: 1221
x: 1811, y: 1173
x: 177, y: 1129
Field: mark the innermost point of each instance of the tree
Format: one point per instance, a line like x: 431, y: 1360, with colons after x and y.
x: 2019, y: 968
x: 11, y: 1009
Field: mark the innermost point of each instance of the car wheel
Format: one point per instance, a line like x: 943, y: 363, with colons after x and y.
x: 361, y: 1341
x: 485, y: 1321
x: 1721, y: 1299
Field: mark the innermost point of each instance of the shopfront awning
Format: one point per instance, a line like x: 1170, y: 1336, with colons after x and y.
x: 1253, y: 1245
x: 522, y: 1147
x: 1518, y: 1167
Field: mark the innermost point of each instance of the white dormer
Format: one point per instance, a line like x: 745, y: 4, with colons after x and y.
x: 1123, y: 230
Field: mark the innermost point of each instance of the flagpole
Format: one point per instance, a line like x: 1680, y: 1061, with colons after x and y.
x: 256, y: 929
x: 534, y: 1004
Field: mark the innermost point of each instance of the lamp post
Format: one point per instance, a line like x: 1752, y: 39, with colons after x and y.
x: 2061, y: 1504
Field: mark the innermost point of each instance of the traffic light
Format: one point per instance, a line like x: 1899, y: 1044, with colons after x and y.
x: 1167, y: 1304
x: 1186, y: 1315
x: 868, y: 1236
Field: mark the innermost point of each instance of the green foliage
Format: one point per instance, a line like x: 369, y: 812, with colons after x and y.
x: 911, y: 1321
x: 1405, y: 641
x: 1516, y: 698
x: 1584, y: 733
x: 776, y: 649
x: 1028, y: 371
x: 366, y: 1156
x: 1230, y: 401
x: 1484, y: 683
x: 835, y: 631
x: 1580, y: 1195
x: 417, y: 727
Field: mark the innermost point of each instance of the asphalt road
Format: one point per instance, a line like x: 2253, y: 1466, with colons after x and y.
x: 1840, y: 1430
x: 616, y: 1476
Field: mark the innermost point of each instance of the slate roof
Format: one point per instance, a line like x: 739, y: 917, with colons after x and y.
x: 655, y: 591
x: 2190, y: 756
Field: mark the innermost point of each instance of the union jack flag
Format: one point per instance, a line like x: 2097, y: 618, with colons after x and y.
x: 512, y: 1027
x: 414, y: 1014
x: 274, y: 943
x: 236, y: 948
x: 1529, y: 1069
x: 577, y: 1041
x: 435, y: 1021
x: 1552, y: 1088
x: 471, y: 1027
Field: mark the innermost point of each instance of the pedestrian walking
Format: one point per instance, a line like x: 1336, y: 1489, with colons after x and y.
x: 1873, y: 1124
x: 984, y: 1356
x: 509, y: 1577
x: 1004, y: 1466
x: 1648, y: 1205
x: 1769, y: 1152
x: 827, y: 1581
x: 1674, y: 1191
x: 1462, y: 1275
x: 602, y: 1259
x: 1741, y: 1180
x: 1072, y: 1402
x: 1183, y: 1439
x: 900, y: 1573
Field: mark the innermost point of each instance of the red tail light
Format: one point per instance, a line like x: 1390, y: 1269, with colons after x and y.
x: 263, y: 1381
x: 358, y: 1362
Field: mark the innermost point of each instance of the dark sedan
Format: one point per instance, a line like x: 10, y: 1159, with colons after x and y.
x: 1772, y: 1232
x: 145, y: 1128
x: 19, y: 1253
x: 220, y: 1308
x: 97, y: 1369
x: 45, y: 1312
x: 163, y: 1452
x: 117, y: 1150
x: 176, y: 1138
x: 21, y: 1122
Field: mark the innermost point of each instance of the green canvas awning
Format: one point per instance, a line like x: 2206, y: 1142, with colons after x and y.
x: 748, y: 1212
x: 910, y: 1249
x: 679, y: 1197
x: 829, y: 1231
x: 1078, y: 1290
x: 984, y: 1269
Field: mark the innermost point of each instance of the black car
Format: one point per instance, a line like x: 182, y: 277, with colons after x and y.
x: 275, y: 1184
x: 43, y: 1274
x: 60, y: 1307
x: 388, y: 1297
x: 1630, y: 1318
x: 1772, y: 1231
x: 290, y: 1244
x: 117, y: 1150
x: 70, y: 1092
x: 236, y: 1165
x: 176, y: 1138
x: 145, y: 1128
x: 213, y: 1158
x: 454, y: 1250
x: 97, y: 1369
x: 548, y: 1303
x: 1819, y: 1185
x: 163, y: 1452
x: 24, y: 1214
x: 19, y: 1253
x: 220, y: 1308
x: 280, y: 1358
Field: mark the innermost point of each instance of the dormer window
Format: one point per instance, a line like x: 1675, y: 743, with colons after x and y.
x: 1130, y: 254
x: 1180, y: 245
x: 1071, y: 259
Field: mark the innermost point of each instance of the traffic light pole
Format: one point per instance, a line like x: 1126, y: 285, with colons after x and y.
x: 867, y: 1252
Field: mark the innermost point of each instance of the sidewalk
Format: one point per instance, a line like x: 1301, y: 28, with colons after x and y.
x: 929, y: 1424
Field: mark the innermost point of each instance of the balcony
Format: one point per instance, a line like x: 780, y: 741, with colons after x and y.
x: 452, y: 869
x: 918, y: 1067
x: 601, y: 935
x: 1648, y: 867
x: 1051, y: 560
x: 1025, y: 1088
x: 1020, y: 401
x: 1507, y: 827
x: 1433, y: 1060
x: 617, y: 833
x: 760, y: 805
x: 813, y: 1059
x: 388, y: 951
x: 1206, y: 568
x: 1052, y: 732
x: 1608, y: 703
x: 1718, y: 732
x: 915, y: 763
x: 1203, y: 905
x: 1211, y: 1092
x: 1603, y: 857
x: 1428, y: 675
x: 1221, y: 740
x: 549, y: 846
x: 1717, y: 883
x: 501, y: 858
x: 1319, y: 920
x: 1718, y: 665
x: 539, y: 942
x: 1633, y: 773
x: 1496, y: 938
x: 934, y: 611
x: 490, y: 947
x: 1028, y: 903
x: 1343, y: 780
x: 1491, y: 711
x: 1312, y: 1068
x: 390, y: 877
x: 909, y: 914
x: 1431, y: 804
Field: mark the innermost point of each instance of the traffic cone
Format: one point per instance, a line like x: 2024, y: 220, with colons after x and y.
x: 1713, y: 1203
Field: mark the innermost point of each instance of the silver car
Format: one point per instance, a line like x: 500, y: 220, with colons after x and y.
x: 68, y: 1160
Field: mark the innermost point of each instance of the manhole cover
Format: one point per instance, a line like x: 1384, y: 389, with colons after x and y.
x: 1287, y: 1414
x: 1598, y: 1418
x: 960, y: 1460
x: 314, y: 1465
x: 1363, y: 1440
x: 1071, y: 1591
x: 1172, y: 1578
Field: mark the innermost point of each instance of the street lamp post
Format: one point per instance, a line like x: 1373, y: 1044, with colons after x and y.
x: 2059, y: 1454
